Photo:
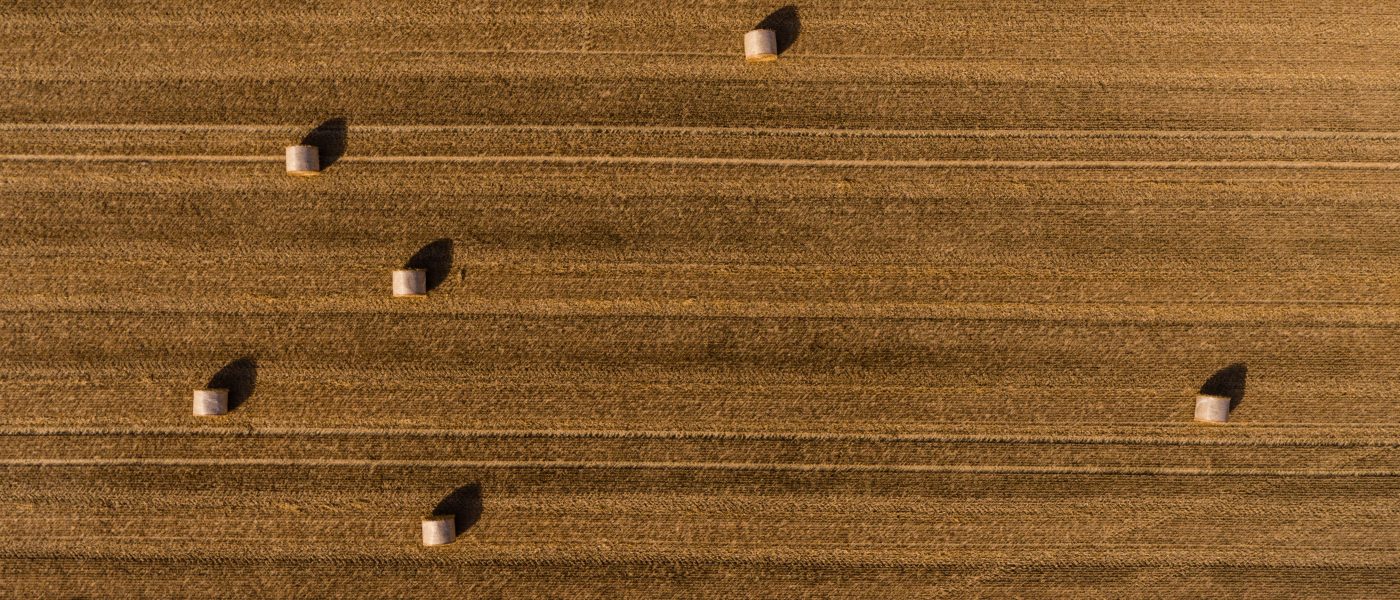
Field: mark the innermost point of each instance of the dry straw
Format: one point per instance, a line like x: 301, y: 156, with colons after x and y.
x: 303, y: 161
x: 210, y: 402
x: 761, y: 45
x: 1212, y: 409
x: 439, y: 530
x: 410, y: 283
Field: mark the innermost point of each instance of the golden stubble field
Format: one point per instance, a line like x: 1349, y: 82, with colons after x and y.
x: 917, y: 311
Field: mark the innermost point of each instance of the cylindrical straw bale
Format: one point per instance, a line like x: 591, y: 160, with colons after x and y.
x: 439, y: 530
x: 1212, y: 409
x: 410, y: 283
x: 210, y: 402
x: 303, y: 161
x: 761, y: 45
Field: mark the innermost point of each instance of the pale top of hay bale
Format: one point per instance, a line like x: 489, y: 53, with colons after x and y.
x: 439, y: 530
x: 410, y: 283
x: 761, y: 45
x: 303, y: 160
x: 1212, y: 409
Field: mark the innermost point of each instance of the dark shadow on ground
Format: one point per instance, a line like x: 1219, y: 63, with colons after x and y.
x: 785, y: 25
x: 240, y: 377
x: 465, y: 503
x: 1227, y: 382
x: 330, y: 140
x: 436, y: 259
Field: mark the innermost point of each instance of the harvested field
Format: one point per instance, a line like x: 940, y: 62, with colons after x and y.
x: 919, y: 310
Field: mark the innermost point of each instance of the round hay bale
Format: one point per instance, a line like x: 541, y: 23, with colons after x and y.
x: 303, y: 161
x: 439, y: 530
x: 410, y: 283
x: 212, y: 402
x: 1212, y: 409
x: 761, y: 45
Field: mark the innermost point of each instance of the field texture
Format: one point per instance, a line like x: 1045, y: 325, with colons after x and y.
x: 918, y: 310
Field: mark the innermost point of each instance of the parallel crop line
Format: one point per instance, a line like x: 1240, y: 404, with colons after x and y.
x: 1313, y: 323
x: 753, y: 162
x: 810, y: 132
x: 793, y: 436
x: 1040, y: 558
x: 715, y: 466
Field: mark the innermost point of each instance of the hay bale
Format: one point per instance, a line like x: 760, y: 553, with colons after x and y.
x: 211, y: 402
x: 439, y: 530
x: 761, y: 45
x: 303, y: 161
x: 410, y: 283
x: 1212, y: 409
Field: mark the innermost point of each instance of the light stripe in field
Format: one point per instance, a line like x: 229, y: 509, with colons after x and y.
x: 333, y: 309
x: 1338, y: 561
x: 955, y: 164
x: 692, y: 130
x: 791, y: 436
x: 697, y: 466
x: 746, y: 162
x: 140, y: 158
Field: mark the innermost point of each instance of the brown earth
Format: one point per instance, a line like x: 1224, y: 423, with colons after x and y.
x: 918, y: 310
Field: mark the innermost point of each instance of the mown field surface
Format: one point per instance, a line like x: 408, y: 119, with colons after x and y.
x: 917, y: 311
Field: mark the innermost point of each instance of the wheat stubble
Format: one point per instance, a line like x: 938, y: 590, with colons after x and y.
x: 917, y: 311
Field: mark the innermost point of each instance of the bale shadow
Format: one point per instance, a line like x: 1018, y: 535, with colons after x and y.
x: 436, y: 259
x: 330, y: 140
x: 785, y: 25
x: 465, y: 503
x: 240, y: 377
x: 1227, y: 382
